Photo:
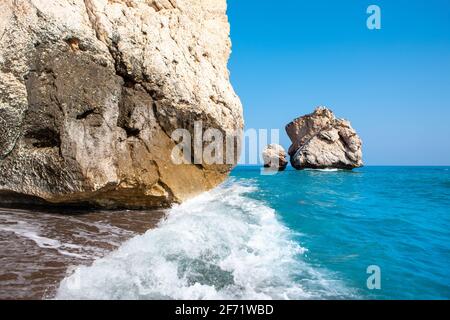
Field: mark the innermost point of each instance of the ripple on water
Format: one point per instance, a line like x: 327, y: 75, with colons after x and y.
x: 36, y: 248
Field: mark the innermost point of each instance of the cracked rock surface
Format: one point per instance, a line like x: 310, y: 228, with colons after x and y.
x: 91, y: 90
x: 321, y: 141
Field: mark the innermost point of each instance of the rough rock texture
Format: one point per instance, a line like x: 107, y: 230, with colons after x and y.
x: 275, y: 157
x: 91, y: 90
x: 320, y: 141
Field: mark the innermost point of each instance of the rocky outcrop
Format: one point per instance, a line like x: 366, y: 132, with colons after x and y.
x: 91, y: 90
x: 320, y: 141
x: 275, y: 157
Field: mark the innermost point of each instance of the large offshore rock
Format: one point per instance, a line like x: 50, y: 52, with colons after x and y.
x: 321, y: 141
x: 91, y: 90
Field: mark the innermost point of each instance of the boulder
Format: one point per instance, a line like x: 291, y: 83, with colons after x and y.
x: 321, y: 141
x: 275, y: 157
x: 90, y: 92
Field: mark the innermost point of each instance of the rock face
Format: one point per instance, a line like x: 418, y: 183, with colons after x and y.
x: 275, y: 157
x: 321, y: 141
x: 91, y: 90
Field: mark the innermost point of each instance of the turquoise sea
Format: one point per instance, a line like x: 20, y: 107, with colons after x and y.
x: 293, y: 235
x: 395, y: 217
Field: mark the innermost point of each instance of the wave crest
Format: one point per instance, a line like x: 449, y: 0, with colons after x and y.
x: 220, y: 245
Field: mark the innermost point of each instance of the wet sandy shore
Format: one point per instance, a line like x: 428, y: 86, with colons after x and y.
x: 38, y: 249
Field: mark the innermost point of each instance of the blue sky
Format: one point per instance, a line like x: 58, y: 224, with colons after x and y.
x: 393, y: 84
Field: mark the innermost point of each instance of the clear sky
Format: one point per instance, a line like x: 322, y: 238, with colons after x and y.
x: 393, y: 84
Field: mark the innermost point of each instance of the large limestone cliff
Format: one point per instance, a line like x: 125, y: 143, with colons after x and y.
x: 91, y: 90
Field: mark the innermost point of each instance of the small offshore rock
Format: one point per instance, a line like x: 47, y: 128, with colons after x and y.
x: 275, y: 157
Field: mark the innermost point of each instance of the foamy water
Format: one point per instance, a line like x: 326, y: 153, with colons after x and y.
x: 37, y: 247
x: 221, y: 245
x: 293, y: 235
x: 325, y: 170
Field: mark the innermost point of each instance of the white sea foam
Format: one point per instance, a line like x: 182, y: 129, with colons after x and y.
x: 221, y: 245
x: 28, y: 227
x: 31, y: 232
x: 325, y: 170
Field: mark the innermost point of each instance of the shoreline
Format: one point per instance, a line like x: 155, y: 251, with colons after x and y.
x: 38, y: 246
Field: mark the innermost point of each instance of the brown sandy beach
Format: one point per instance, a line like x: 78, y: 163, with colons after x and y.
x: 38, y: 249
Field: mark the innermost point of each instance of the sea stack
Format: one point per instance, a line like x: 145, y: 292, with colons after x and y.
x: 275, y: 157
x: 91, y: 92
x: 321, y: 141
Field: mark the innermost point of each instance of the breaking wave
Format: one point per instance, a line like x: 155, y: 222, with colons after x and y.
x: 325, y: 170
x: 220, y: 245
